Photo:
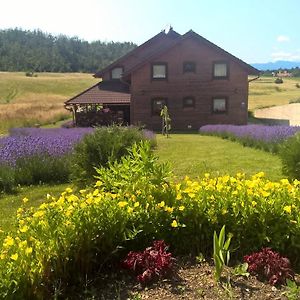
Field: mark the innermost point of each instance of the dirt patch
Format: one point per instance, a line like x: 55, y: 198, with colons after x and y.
x: 192, y: 281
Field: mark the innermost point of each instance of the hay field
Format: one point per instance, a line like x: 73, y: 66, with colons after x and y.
x: 26, y: 101
x: 263, y: 92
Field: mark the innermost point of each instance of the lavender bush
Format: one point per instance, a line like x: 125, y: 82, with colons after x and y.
x: 35, y: 155
x: 259, y: 136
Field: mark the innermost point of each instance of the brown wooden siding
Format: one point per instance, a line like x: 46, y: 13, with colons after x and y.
x: 198, y: 85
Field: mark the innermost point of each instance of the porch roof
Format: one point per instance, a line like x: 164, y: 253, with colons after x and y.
x: 108, y: 92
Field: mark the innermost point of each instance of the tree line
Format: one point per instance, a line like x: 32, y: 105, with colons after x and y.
x: 36, y: 51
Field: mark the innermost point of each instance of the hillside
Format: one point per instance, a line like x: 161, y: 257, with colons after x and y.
x: 36, y: 51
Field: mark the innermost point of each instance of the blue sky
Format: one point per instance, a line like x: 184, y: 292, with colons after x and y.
x: 255, y: 30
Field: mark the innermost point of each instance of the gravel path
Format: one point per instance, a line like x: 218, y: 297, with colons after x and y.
x: 290, y: 112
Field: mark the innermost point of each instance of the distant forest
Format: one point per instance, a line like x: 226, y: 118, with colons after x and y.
x: 36, y: 51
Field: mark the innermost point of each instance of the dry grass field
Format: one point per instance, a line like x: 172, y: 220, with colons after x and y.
x: 25, y: 101
x: 263, y: 92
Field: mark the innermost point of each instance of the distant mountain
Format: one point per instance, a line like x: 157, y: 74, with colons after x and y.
x: 280, y: 64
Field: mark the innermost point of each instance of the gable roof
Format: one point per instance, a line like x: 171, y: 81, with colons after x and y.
x: 159, y: 41
x: 105, y: 92
x: 170, y: 39
x: 191, y: 34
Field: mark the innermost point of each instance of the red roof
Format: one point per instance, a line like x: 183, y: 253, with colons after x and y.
x: 107, y: 92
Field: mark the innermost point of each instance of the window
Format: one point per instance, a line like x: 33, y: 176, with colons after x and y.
x: 189, y: 66
x: 220, y: 70
x: 157, y: 105
x: 219, y: 105
x: 159, y: 71
x: 116, y: 73
x: 188, y: 102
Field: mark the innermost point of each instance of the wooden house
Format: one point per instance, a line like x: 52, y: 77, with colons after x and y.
x: 198, y: 81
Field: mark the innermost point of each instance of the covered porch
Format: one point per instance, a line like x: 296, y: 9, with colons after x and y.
x: 103, y: 104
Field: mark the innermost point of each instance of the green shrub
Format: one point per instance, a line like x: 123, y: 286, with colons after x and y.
x: 7, y: 179
x: 42, y: 169
x: 290, y: 157
x: 98, y: 148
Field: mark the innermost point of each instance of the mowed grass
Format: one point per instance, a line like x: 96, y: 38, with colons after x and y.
x: 26, y: 101
x: 194, y: 155
x: 265, y: 92
x: 189, y: 154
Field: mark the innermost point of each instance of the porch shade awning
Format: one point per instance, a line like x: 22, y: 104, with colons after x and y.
x: 109, y: 92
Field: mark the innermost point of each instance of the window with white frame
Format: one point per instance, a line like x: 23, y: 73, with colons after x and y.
x: 159, y: 71
x: 219, y: 105
x: 220, y: 70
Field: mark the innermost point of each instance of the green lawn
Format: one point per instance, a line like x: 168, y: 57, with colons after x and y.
x: 194, y: 155
x: 189, y: 154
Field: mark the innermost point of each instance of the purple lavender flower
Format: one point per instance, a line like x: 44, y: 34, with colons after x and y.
x: 272, y: 134
x: 26, y: 142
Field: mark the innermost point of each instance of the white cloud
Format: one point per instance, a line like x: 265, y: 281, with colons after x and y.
x: 289, y: 56
x: 283, y: 38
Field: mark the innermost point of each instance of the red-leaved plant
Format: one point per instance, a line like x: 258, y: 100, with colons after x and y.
x: 151, y: 264
x: 270, y: 265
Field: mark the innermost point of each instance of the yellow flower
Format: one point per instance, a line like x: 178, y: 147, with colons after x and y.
x: 191, y: 195
x: 25, y: 200
x: 169, y: 209
x: 28, y: 250
x: 179, y: 196
x: 9, y: 241
x: 181, y: 208
x: 288, y: 209
x: 136, y: 204
x: 96, y: 192
x: 82, y: 191
x: 39, y: 214
x: 254, y: 203
x: 14, y: 256
x: 174, y: 224
x: 98, y: 183
x: 24, y: 228
x: 2, y: 256
x: 122, y: 203
x: 161, y: 204
x: 129, y: 210
x: 69, y: 190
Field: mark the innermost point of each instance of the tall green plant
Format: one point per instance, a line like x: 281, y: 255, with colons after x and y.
x: 166, y: 120
x: 221, y: 253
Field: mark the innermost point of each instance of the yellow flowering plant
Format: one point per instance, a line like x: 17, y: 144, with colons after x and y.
x: 132, y: 203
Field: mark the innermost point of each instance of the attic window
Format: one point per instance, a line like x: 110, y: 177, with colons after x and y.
x: 220, y: 70
x: 159, y: 71
x: 219, y: 105
x: 189, y: 66
x: 116, y: 73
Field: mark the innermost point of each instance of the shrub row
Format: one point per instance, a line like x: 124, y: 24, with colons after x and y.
x: 133, y: 203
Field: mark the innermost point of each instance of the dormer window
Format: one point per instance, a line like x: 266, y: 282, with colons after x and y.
x: 116, y: 73
x: 220, y: 70
x: 159, y: 71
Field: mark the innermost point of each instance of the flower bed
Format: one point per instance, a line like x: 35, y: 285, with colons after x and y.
x: 71, y: 237
x: 265, y: 137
